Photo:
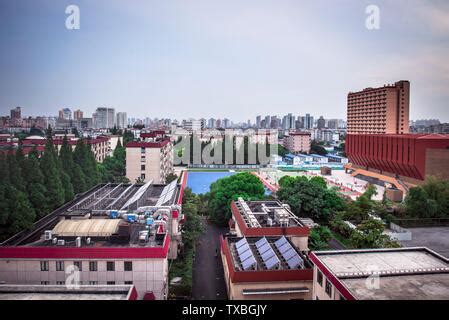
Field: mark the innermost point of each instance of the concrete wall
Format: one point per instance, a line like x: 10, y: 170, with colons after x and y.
x: 146, y: 274
x: 319, y: 292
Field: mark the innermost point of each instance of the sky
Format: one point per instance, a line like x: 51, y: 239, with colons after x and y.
x: 235, y: 59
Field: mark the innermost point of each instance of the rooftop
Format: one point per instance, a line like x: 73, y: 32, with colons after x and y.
x: 265, y: 253
x: 405, y: 273
x: 109, y: 215
x: 265, y: 213
x: 48, y: 292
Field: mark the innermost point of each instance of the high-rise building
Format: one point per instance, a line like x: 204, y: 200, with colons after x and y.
x: 258, y: 119
x: 121, y: 120
x: 308, y: 121
x: 211, y: 123
x: 65, y: 114
x: 16, y: 113
x: 77, y: 114
x: 321, y: 123
x: 298, y: 142
x: 267, y: 122
x: 104, y: 118
x: 380, y: 110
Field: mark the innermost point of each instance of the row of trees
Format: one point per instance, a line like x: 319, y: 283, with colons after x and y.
x: 31, y: 187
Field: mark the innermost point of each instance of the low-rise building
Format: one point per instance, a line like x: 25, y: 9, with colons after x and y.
x: 62, y: 292
x: 268, y: 218
x: 114, y: 234
x: 149, y: 160
x: 265, y: 268
x: 380, y: 274
x: 298, y: 142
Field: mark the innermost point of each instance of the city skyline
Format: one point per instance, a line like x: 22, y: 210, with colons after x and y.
x: 220, y: 60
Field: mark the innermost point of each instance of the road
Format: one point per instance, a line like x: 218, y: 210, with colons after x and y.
x: 208, y: 279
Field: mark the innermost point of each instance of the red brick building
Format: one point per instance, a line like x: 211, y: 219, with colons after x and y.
x: 411, y: 157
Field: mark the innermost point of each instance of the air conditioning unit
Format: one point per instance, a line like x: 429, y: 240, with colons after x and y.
x: 78, y: 242
x: 55, y: 240
x: 61, y: 242
x: 87, y: 240
x: 47, y: 235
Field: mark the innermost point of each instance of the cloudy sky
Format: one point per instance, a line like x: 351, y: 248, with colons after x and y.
x: 233, y: 58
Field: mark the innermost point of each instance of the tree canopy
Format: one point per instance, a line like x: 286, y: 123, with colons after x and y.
x: 225, y: 190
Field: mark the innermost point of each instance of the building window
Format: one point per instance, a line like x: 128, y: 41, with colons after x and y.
x: 60, y: 283
x: 142, y: 176
x: 128, y: 266
x: 142, y: 167
x: 59, y: 265
x: 78, y: 264
x: 93, y: 283
x: 93, y: 266
x: 319, y: 278
x: 110, y: 266
x: 44, y: 265
x: 110, y: 283
x: 128, y: 282
x: 45, y: 283
x: 328, y: 288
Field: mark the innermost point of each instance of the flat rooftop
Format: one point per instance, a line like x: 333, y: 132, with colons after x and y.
x: 434, y: 238
x: 266, y: 213
x: 405, y: 273
x: 265, y: 253
x: 51, y: 292
x: 89, y: 216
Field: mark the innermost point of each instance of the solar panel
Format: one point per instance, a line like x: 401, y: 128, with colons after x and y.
x: 265, y: 248
x: 245, y: 255
x: 272, y: 262
x: 295, y: 261
x: 261, y: 242
x: 288, y: 254
x: 284, y: 248
x: 267, y: 255
x: 278, y: 243
x: 248, y: 263
x: 167, y: 193
x: 243, y: 248
x: 240, y: 243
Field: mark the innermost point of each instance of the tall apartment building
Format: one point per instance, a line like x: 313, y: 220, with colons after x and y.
x: 380, y: 110
x: 65, y: 113
x: 104, y: 118
x: 77, y: 114
x: 298, y: 142
x: 149, y: 160
x: 121, y: 120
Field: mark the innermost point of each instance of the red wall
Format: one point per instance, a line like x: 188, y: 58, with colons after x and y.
x: 404, y: 155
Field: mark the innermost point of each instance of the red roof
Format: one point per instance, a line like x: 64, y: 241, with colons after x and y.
x: 158, y: 144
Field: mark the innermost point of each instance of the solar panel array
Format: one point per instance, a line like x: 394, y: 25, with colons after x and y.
x: 289, y: 253
x: 167, y: 193
x: 267, y: 253
x: 245, y: 254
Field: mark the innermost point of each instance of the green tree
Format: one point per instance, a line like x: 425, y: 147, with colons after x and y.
x: 34, y: 184
x: 310, y: 197
x: 369, y: 234
x: 50, y: 170
x: 319, y: 238
x: 225, y: 190
x: 429, y: 200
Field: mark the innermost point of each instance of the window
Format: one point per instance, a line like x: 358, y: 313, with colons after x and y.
x: 110, y: 266
x: 110, y: 283
x: 78, y: 264
x: 142, y: 167
x: 128, y: 266
x: 142, y: 176
x: 93, y: 266
x: 328, y: 288
x: 128, y: 282
x: 60, y: 283
x: 93, y: 283
x: 45, y: 283
x: 319, y: 278
x: 44, y: 265
x: 59, y: 265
